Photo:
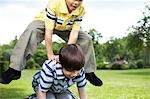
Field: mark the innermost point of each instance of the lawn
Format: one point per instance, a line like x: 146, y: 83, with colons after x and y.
x: 118, y: 84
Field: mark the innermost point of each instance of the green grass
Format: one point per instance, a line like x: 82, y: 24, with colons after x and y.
x: 118, y: 84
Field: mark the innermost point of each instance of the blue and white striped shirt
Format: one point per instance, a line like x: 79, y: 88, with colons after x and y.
x: 51, y: 78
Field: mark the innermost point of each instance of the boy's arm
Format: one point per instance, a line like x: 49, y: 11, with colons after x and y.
x: 82, y: 93
x: 48, y: 43
x: 76, y: 27
x: 73, y: 37
x: 50, y: 21
x: 41, y: 94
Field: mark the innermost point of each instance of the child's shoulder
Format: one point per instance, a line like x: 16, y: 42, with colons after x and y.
x: 52, y: 64
x: 53, y: 67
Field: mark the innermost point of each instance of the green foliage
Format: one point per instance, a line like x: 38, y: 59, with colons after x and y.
x: 102, y: 65
x: 56, y: 47
x: 40, y: 56
x: 140, y: 63
x: 13, y: 42
x: 30, y: 64
x: 4, y: 60
x: 119, y: 66
x: 139, y: 37
x: 124, y: 66
x: 95, y: 36
x: 112, y: 46
x: 6, y: 56
x: 99, y: 49
x: 116, y: 66
x: 132, y: 65
x: 3, y: 66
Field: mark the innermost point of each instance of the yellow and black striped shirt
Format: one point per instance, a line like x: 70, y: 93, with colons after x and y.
x: 56, y: 16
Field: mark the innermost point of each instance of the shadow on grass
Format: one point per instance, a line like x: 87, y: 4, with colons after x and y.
x: 12, y: 93
x: 137, y: 73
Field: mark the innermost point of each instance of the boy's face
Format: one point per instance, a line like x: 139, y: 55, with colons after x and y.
x: 73, y: 4
x: 71, y: 74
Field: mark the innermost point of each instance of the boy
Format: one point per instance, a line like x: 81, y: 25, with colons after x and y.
x: 63, y: 18
x: 54, y: 79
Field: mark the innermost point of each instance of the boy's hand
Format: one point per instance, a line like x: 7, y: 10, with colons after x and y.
x: 54, y: 57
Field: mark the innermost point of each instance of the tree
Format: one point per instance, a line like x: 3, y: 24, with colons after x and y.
x: 95, y: 36
x: 140, y: 35
x: 13, y: 42
x: 113, y: 48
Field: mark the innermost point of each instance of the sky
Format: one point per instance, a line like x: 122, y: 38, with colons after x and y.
x: 111, y: 18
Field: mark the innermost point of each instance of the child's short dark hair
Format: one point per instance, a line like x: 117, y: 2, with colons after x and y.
x: 71, y: 57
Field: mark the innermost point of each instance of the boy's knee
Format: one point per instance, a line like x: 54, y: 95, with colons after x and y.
x: 88, y: 39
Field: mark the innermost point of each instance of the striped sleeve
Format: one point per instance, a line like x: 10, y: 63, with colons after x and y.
x: 35, y: 81
x: 50, y: 15
x: 46, y: 76
x: 81, y: 82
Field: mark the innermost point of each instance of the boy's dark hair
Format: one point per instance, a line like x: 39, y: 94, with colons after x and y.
x: 71, y: 57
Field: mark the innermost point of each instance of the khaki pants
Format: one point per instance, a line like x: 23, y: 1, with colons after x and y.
x: 34, y: 34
